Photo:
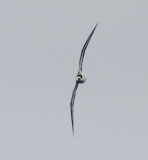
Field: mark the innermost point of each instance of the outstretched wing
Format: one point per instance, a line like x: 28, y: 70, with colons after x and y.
x: 72, y: 105
x: 84, y: 48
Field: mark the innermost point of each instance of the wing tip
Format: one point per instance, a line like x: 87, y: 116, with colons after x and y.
x: 96, y: 26
x: 72, y: 125
x: 73, y: 131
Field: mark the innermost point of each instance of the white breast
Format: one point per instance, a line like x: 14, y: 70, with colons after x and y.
x: 80, y: 77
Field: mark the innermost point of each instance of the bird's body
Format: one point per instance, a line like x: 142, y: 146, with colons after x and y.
x: 80, y: 78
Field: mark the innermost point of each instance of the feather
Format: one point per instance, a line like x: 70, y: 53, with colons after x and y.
x: 84, y: 49
x: 72, y: 105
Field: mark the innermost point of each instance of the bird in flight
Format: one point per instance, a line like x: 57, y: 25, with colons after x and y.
x: 80, y: 78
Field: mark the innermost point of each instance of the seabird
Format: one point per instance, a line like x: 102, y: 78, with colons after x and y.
x: 80, y: 78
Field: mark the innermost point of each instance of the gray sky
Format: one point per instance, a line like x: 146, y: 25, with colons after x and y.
x: 40, y: 44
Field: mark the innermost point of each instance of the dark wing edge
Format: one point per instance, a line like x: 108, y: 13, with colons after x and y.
x: 72, y: 105
x: 84, y: 48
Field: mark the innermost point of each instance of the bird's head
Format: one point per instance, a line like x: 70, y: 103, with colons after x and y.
x: 80, y: 78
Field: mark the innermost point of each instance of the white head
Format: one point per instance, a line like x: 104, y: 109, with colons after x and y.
x: 80, y: 77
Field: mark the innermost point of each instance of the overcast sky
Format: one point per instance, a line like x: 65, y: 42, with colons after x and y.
x: 40, y: 45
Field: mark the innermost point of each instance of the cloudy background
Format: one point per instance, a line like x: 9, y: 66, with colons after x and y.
x: 40, y: 44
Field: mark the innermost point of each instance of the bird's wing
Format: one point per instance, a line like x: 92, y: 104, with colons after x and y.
x: 84, y: 48
x: 72, y: 105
